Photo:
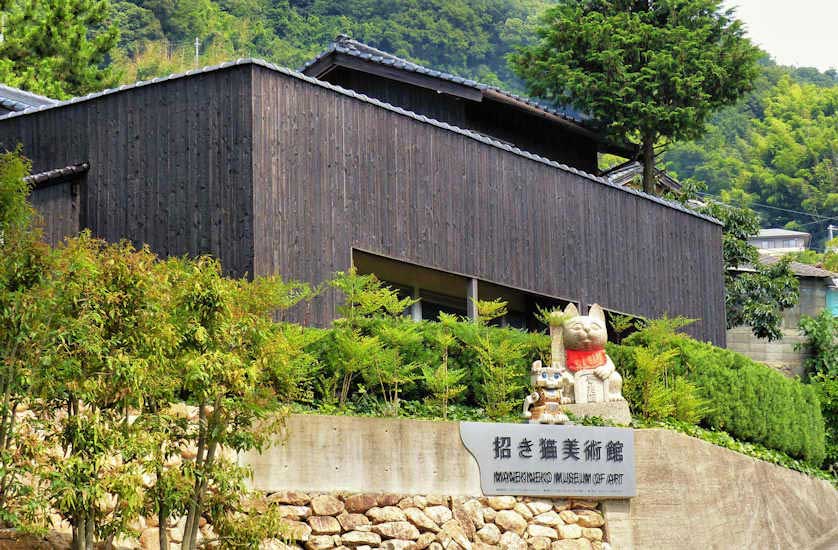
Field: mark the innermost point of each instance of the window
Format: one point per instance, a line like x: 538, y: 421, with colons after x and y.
x: 444, y: 292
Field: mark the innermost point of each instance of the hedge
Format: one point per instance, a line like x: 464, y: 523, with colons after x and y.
x: 747, y: 399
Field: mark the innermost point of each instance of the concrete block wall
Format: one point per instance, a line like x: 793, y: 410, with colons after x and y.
x: 780, y: 354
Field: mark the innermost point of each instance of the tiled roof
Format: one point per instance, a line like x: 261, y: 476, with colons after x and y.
x: 345, y: 45
x: 799, y: 269
x: 14, y: 99
x: 361, y: 97
x: 627, y: 172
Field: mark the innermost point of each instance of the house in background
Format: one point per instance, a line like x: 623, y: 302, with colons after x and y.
x: 780, y: 241
x: 273, y: 171
x: 818, y: 291
x: 14, y: 100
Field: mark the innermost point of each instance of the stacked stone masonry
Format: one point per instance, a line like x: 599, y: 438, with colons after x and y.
x: 398, y: 522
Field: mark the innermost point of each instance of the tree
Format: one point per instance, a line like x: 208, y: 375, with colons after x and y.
x: 650, y: 70
x: 59, y: 48
x: 23, y: 264
x: 235, y: 364
x: 755, y: 294
x: 777, y: 150
x: 102, y: 339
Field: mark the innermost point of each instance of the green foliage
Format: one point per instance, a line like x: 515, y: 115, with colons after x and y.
x: 15, y: 212
x: 750, y: 401
x: 755, y: 294
x: 826, y: 386
x: 59, y: 49
x: 827, y: 260
x: 656, y: 394
x: 98, y: 340
x: 773, y: 149
x: 395, y: 358
x: 821, y: 334
x: 650, y: 71
x: 23, y: 263
x: 102, y: 336
x: 502, y: 384
x: 465, y: 37
x: 443, y: 383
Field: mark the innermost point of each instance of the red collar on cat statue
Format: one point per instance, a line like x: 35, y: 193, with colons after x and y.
x: 585, y: 359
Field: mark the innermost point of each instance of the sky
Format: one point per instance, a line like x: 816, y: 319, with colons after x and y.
x: 799, y: 32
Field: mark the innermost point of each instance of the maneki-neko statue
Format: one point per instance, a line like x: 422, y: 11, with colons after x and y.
x: 580, y: 370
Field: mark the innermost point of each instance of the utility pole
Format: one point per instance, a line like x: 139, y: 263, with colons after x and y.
x: 833, y: 232
x: 197, y: 52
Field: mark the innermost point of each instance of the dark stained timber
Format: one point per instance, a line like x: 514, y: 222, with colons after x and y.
x: 273, y: 173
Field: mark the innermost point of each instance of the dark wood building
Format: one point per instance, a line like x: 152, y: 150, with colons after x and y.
x: 273, y: 171
x: 561, y: 134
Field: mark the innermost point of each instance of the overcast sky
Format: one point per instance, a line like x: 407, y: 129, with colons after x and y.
x: 794, y: 32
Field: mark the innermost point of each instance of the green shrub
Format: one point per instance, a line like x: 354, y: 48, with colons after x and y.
x: 749, y: 400
x: 821, y: 334
x: 655, y: 393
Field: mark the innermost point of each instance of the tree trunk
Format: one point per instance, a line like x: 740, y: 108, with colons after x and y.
x: 649, y: 164
x: 90, y: 524
x: 162, y: 514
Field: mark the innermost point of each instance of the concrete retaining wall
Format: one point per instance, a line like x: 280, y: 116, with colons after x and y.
x: 691, y: 494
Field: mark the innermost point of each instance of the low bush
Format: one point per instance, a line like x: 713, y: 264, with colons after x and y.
x: 750, y: 401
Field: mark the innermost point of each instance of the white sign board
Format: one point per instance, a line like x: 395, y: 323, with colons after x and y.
x: 551, y: 460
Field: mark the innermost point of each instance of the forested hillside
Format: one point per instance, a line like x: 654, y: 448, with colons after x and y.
x: 468, y: 37
x: 776, y: 151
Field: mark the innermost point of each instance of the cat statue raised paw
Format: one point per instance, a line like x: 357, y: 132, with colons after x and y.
x: 583, y: 339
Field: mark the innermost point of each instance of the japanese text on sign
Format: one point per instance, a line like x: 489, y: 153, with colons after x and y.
x: 551, y: 460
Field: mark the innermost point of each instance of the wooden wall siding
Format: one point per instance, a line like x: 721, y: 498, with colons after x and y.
x: 531, y: 133
x: 443, y: 107
x: 332, y: 172
x: 58, y: 206
x: 275, y: 174
x: 170, y: 163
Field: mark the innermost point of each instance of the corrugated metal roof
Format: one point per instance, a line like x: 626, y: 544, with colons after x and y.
x: 294, y: 74
x: 782, y: 233
x: 14, y: 99
x: 346, y: 45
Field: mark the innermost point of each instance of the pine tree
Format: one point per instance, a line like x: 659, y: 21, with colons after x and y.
x: 651, y: 70
x: 59, y: 48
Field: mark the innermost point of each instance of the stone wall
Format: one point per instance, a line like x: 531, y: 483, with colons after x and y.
x: 690, y: 493
x: 364, y: 521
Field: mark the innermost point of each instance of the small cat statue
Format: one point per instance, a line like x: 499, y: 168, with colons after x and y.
x: 543, y: 406
x: 583, y: 338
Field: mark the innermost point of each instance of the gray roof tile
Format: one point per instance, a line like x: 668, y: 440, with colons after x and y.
x: 14, y: 99
x: 345, y: 45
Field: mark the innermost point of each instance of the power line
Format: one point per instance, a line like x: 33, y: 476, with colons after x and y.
x: 822, y: 218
